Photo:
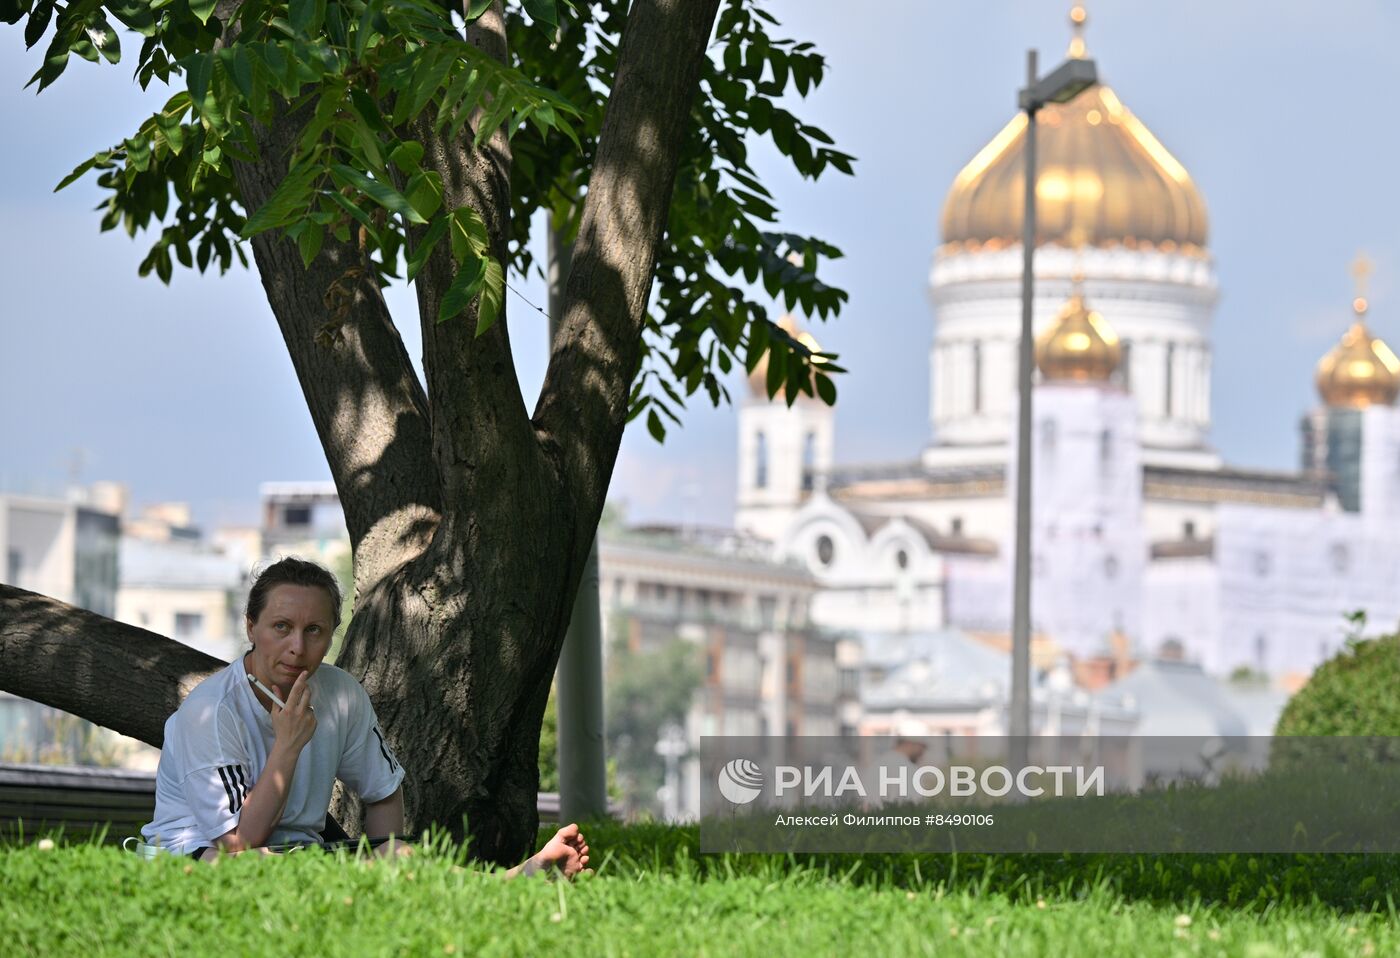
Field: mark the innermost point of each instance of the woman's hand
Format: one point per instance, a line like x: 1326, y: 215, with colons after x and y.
x: 295, y: 724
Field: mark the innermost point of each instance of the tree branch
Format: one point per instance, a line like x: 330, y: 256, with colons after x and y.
x: 116, y: 675
x: 472, y: 385
x: 583, y: 406
x: 366, y: 402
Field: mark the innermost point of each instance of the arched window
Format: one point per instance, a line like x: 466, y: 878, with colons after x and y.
x: 760, y: 476
x: 809, y: 461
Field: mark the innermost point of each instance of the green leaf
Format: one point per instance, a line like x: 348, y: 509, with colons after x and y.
x: 103, y: 38
x: 309, y: 242
x: 425, y: 192
x: 203, y: 10
x: 55, y: 63
x: 239, y: 68
x: 424, y: 249
x: 383, y: 194
x: 469, y: 237
x: 407, y: 156
x: 427, y: 78
x: 463, y: 289
x: 290, y: 198
x: 138, y: 153
x: 476, y: 8
x: 826, y: 388
x: 638, y: 407
x: 301, y: 14
x: 359, y: 215
x: 758, y: 345
x: 199, y: 68
x: 369, y: 111
x: 543, y: 12
x: 135, y: 14
x: 38, y: 22
x: 174, y: 133
x: 655, y: 427
x: 777, y: 366
x: 493, y: 297
x: 79, y: 170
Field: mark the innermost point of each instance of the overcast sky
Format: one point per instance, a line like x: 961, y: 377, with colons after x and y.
x: 1281, y: 112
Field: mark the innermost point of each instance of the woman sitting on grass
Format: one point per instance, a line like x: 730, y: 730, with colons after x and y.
x: 241, y: 770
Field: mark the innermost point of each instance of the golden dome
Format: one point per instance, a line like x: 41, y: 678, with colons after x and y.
x: 1079, y: 346
x: 1103, y: 179
x: 758, y: 379
x: 1359, y: 371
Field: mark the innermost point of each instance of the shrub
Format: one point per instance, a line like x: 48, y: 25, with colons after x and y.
x: 1352, y: 693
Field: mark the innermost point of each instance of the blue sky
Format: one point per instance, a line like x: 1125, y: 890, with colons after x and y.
x: 1278, y: 110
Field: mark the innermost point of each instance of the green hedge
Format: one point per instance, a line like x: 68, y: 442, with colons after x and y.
x: 1353, y: 693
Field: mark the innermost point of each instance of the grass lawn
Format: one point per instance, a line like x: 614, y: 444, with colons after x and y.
x: 654, y: 895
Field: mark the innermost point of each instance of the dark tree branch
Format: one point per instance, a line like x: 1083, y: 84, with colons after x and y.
x: 115, y: 675
x: 583, y: 406
x: 472, y: 385
x: 366, y: 402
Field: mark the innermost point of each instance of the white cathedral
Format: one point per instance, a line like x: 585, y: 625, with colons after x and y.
x: 1145, y: 542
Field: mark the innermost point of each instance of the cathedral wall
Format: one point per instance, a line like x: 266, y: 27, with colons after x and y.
x: 1181, y: 610
x: 1167, y: 520
x: 1380, y: 463
x: 1159, y: 304
x: 1087, y: 547
x: 981, y: 517
x: 1287, y: 577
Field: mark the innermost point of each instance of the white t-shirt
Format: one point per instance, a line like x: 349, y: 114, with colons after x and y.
x: 217, y: 743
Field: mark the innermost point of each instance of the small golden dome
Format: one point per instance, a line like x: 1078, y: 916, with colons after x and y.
x: 1079, y: 346
x: 1359, y: 371
x: 758, y: 379
x: 1101, y: 174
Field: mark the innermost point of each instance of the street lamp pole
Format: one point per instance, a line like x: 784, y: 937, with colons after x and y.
x: 1021, y: 597
x: 1062, y: 85
x: 582, y: 764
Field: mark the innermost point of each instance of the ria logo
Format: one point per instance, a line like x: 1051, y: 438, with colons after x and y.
x: 741, y: 781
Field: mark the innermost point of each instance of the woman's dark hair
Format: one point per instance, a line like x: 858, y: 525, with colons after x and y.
x: 292, y: 571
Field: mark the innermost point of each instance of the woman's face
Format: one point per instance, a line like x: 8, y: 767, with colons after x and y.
x: 292, y: 634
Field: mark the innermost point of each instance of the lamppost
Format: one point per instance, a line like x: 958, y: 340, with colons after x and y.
x: 1064, y: 83
x: 583, y: 775
x: 671, y: 745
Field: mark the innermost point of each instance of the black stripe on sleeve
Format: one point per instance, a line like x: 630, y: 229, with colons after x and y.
x: 384, y: 750
x: 242, y: 784
x: 233, y: 801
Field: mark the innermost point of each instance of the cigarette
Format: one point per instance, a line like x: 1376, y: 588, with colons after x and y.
x: 266, y: 691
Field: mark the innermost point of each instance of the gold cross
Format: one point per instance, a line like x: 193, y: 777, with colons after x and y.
x: 1077, y: 17
x: 1361, y: 270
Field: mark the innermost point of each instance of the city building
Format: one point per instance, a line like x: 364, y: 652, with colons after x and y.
x: 66, y: 549
x: 305, y: 519
x: 767, y: 669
